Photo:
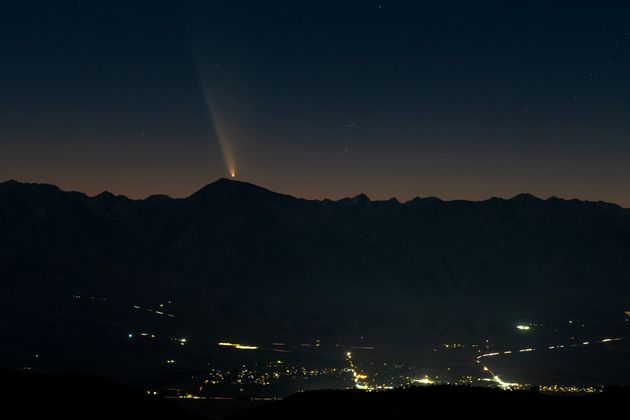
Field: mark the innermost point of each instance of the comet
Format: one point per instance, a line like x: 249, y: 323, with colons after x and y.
x: 221, y: 134
x: 219, y: 124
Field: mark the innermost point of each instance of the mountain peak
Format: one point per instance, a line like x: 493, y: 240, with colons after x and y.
x: 524, y: 197
x: 231, y: 188
x: 361, y: 198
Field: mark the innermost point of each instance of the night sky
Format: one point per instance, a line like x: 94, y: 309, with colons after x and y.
x: 318, y: 98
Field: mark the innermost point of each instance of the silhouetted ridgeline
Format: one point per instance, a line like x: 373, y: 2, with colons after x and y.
x: 26, y: 395
x: 318, y: 268
x: 445, y: 402
x: 233, y: 231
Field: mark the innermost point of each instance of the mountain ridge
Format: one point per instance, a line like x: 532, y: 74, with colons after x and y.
x: 221, y: 183
x: 242, y: 258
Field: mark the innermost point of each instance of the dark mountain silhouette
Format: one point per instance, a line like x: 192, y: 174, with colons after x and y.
x: 447, y: 402
x: 26, y: 395
x: 240, y: 261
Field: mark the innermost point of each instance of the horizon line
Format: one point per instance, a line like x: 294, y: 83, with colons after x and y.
x: 391, y: 199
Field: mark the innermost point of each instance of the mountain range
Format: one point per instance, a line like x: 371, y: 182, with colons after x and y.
x: 239, y: 261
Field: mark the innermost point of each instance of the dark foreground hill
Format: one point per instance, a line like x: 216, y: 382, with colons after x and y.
x: 26, y: 395
x: 444, y: 402
x: 235, y: 261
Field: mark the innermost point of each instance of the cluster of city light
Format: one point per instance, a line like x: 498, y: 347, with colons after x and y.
x: 503, y: 384
x: 361, y: 382
x: 270, y: 374
x: 275, y: 371
x: 190, y: 396
x: 424, y: 381
x: 358, y: 378
x: 495, y: 378
x: 570, y: 389
x: 237, y: 346
x: 264, y: 375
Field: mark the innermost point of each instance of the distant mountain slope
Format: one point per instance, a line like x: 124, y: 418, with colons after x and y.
x: 232, y: 231
x: 241, y: 258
